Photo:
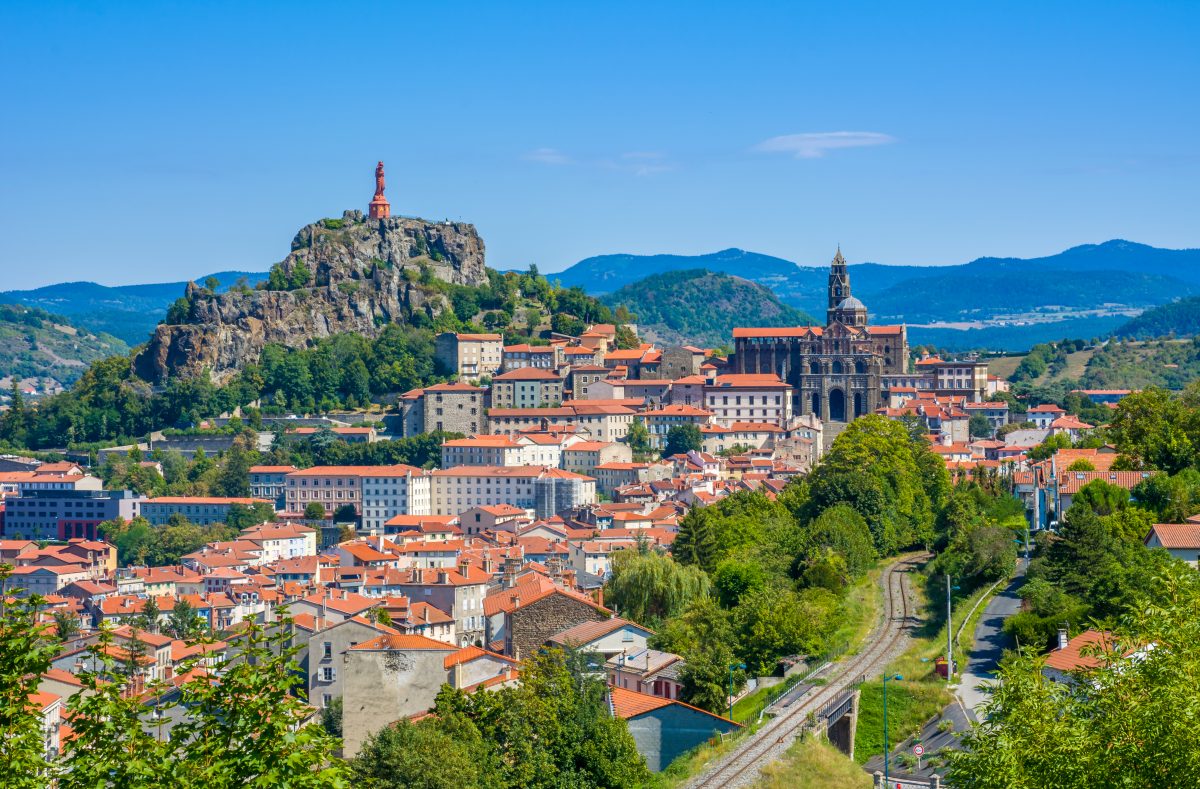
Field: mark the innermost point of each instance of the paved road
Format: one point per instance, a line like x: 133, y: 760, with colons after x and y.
x: 990, y: 642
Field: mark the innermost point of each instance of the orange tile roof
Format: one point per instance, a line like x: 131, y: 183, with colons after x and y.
x: 1176, y: 535
x: 629, y: 704
x: 406, y: 641
x: 1070, y: 658
x: 467, y: 654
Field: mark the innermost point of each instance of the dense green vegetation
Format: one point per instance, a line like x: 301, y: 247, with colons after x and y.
x: 1180, y: 318
x: 111, y: 404
x: 246, y: 730
x: 37, y: 344
x: 1171, y: 364
x: 1126, y: 722
x: 752, y: 580
x: 701, y: 307
x: 554, y: 729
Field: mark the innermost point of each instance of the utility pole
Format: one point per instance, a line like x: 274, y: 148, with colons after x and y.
x: 949, y: 635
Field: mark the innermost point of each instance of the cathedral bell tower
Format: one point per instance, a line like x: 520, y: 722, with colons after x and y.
x: 839, y: 285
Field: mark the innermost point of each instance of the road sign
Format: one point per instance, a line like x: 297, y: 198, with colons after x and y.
x: 919, y: 749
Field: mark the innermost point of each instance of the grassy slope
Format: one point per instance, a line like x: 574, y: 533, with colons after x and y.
x: 1005, y: 366
x: 813, y: 763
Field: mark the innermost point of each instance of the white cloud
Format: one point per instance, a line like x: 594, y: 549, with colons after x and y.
x: 816, y: 144
x: 642, y: 163
x: 547, y: 156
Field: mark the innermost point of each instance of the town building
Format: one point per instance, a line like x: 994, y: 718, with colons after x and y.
x: 834, y: 371
x: 201, y: 510
x: 544, y: 490
x: 62, y: 514
x: 527, y: 387
x: 388, y: 491
x: 270, y: 482
x: 469, y: 356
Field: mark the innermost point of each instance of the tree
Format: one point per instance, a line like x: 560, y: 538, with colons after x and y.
x: 246, y: 730
x: 331, y: 717
x: 638, y: 437
x: 346, y: 513
x: 1127, y: 718
x: 682, y: 439
x: 648, y: 587
x: 183, y: 622
x: 112, y: 745
x: 695, y: 543
x: 842, y: 529
x: 234, y: 477
x: 446, y: 753
x: 25, y: 655
x: 979, y: 426
x: 552, y: 730
x: 877, y: 468
x: 147, y: 620
x: 314, y: 511
x: 66, y: 626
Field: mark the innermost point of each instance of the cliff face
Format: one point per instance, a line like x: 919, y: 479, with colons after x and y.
x: 347, y: 275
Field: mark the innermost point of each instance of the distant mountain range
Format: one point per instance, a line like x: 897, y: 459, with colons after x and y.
x: 1002, y: 303
x: 128, y: 312
x: 1006, y: 303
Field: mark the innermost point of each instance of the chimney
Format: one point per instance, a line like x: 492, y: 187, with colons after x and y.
x: 488, y: 566
x: 443, y: 577
x: 1062, y: 637
x: 426, y: 614
x: 600, y: 597
x: 463, y: 565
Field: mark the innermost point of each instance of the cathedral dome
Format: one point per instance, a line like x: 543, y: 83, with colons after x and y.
x: 851, y: 303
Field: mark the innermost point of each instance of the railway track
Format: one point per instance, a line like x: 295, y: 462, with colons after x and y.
x: 742, y: 766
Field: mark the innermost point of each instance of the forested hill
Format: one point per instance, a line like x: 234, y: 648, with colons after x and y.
x: 702, y: 307
x: 39, y: 348
x: 1181, y: 318
x: 129, y: 312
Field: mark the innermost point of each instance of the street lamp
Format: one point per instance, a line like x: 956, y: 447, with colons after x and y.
x: 949, y: 633
x: 732, y: 666
x: 886, y: 748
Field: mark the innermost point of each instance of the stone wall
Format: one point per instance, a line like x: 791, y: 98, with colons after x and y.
x: 531, y: 625
x: 383, y: 686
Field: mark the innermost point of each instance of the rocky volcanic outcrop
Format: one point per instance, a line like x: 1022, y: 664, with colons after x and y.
x: 347, y: 275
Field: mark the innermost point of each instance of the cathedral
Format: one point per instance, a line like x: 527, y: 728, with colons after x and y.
x: 835, y: 371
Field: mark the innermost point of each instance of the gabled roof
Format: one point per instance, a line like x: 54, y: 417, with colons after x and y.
x: 1176, y: 535
x: 628, y: 704
x: 587, y: 632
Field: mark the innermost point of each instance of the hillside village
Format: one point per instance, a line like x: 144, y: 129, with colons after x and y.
x: 553, y: 460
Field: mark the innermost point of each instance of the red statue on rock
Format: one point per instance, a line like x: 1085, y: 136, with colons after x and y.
x: 380, y: 208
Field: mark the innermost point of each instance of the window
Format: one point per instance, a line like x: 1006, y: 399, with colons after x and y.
x: 326, y: 650
x: 327, y: 674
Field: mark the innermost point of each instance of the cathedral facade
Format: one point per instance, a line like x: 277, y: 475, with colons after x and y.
x: 835, y: 371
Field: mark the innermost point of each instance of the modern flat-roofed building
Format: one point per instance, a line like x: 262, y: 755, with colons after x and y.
x: 527, y: 387
x: 63, y: 514
x: 201, y: 510
x: 546, y: 491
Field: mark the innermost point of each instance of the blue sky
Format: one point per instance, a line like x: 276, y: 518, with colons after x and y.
x: 149, y: 142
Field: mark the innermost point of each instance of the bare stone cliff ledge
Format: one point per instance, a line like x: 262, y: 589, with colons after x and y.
x: 346, y: 275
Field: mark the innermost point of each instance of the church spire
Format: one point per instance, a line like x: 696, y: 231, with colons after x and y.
x: 839, y: 280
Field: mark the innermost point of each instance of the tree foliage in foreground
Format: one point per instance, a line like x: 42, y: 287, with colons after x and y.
x: 1130, y: 721
x: 554, y: 729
